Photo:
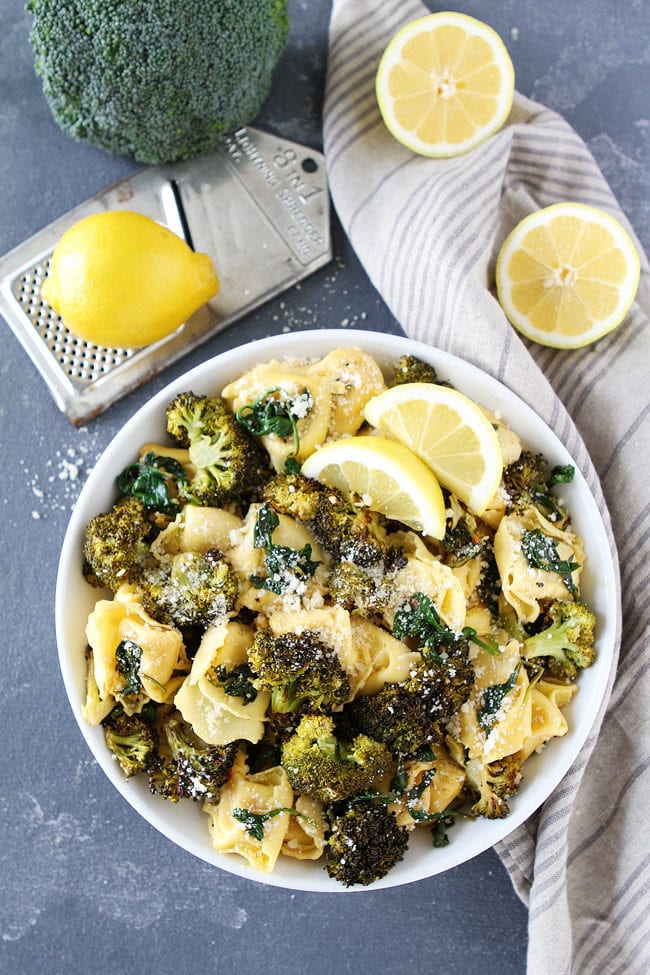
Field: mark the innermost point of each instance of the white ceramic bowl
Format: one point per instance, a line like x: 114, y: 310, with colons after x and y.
x: 184, y: 823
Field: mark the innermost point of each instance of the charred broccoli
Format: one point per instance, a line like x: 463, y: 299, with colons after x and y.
x: 298, y: 669
x: 407, y: 715
x: 132, y: 739
x: 364, y: 842
x: 115, y: 544
x: 529, y: 482
x: 228, y: 463
x: 460, y: 543
x: 193, y: 769
x: 410, y: 369
x: 492, y: 785
x: 321, y: 766
x: 294, y: 495
x: 567, y: 642
x: 348, y: 530
x: 190, y: 589
x: 356, y: 588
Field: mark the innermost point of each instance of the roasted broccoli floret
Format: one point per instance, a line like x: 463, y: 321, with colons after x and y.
x: 298, y: 669
x: 190, y: 589
x: 410, y: 369
x: 115, y: 544
x: 189, y: 768
x: 349, y: 530
x: 228, y: 463
x: 460, y: 543
x: 492, y: 785
x: 529, y: 482
x: 407, y: 715
x: 567, y: 643
x: 201, y: 69
x: 294, y: 495
x: 132, y: 739
x: 320, y: 765
x: 364, y: 842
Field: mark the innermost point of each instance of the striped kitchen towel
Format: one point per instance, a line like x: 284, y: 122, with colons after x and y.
x: 427, y: 232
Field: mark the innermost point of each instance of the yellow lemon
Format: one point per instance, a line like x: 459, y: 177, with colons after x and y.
x: 387, y: 477
x: 119, y: 279
x: 445, y: 83
x: 449, y: 432
x: 567, y: 275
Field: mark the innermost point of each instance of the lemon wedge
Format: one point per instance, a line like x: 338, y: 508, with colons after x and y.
x: 444, y: 84
x: 388, y: 478
x: 122, y: 280
x: 567, y: 275
x: 449, y: 432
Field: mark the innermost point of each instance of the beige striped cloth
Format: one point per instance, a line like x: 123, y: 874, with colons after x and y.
x: 427, y: 232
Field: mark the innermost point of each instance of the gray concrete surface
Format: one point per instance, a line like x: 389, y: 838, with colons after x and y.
x: 86, y: 884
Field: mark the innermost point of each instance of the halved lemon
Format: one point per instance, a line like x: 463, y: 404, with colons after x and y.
x: 567, y: 275
x: 388, y: 478
x: 444, y: 84
x: 449, y: 432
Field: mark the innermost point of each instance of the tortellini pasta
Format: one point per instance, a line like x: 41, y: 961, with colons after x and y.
x: 217, y: 717
x: 327, y: 398
x: 525, y: 586
x: 163, y: 653
x: 259, y: 793
x: 436, y: 783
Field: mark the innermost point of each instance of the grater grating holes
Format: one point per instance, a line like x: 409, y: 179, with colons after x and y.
x: 81, y: 361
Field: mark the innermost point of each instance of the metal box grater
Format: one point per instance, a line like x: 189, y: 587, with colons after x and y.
x: 258, y: 205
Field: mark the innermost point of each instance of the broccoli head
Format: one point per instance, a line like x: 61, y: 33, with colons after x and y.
x: 529, y: 482
x: 189, y: 768
x: 406, y: 716
x: 349, y: 530
x: 323, y: 767
x: 410, y: 369
x: 190, y: 589
x: 228, y: 463
x: 298, y: 669
x: 364, y: 842
x: 115, y: 544
x: 492, y: 785
x: 132, y: 740
x: 294, y: 495
x: 201, y: 69
x: 567, y: 644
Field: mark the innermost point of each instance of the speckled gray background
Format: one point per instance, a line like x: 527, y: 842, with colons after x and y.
x: 85, y: 883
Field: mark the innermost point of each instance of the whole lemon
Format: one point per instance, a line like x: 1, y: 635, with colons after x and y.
x: 120, y: 279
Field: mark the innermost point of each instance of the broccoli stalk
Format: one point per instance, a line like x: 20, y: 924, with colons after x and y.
x: 568, y: 641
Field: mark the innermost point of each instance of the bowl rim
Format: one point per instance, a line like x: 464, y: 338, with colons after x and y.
x: 420, y: 862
